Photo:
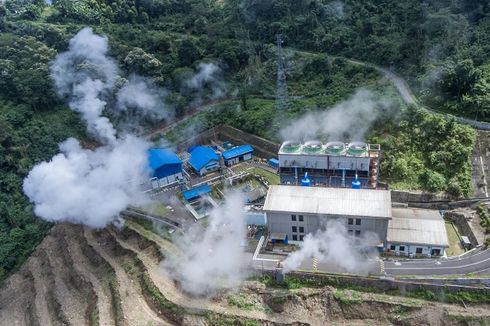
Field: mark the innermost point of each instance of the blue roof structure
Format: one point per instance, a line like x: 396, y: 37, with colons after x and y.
x: 201, y: 156
x: 196, y: 192
x: 237, y: 151
x: 163, y: 162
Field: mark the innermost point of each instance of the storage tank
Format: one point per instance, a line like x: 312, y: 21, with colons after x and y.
x: 356, y: 184
x: 357, y: 149
x: 305, y: 182
x: 313, y: 147
x: 335, y: 148
x: 291, y: 147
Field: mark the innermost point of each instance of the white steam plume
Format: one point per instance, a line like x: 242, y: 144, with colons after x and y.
x: 139, y: 97
x: 212, y: 258
x: 85, y: 74
x: 91, y: 186
x: 334, y: 246
x: 207, y: 79
x: 85, y: 186
x: 350, y: 119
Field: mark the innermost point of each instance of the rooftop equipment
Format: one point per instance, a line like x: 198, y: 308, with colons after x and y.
x: 313, y: 147
x: 335, y: 148
x: 357, y: 149
x: 291, y: 147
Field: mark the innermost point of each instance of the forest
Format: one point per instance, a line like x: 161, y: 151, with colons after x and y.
x: 441, y: 47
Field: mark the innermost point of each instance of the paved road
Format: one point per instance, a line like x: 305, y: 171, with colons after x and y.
x: 478, y: 263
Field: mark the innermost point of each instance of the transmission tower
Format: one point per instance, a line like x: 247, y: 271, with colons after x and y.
x: 282, y: 87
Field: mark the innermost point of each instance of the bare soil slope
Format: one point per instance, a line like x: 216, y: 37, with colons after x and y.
x: 79, y: 276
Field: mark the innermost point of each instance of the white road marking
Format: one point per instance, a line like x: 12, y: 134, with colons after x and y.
x: 448, y: 267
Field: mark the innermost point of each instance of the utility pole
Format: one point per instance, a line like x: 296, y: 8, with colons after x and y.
x: 282, y: 96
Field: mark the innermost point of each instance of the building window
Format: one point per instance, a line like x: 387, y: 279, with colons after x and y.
x: 358, y: 221
x: 402, y: 248
x: 358, y: 233
x: 350, y: 232
x: 301, y: 229
x: 300, y: 218
x: 295, y: 229
x: 293, y: 217
x: 350, y: 221
x: 301, y: 237
x: 295, y: 237
x: 418, y: 250
x: 392, y: 247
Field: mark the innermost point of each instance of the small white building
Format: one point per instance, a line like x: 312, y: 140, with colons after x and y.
x: 416, y: 232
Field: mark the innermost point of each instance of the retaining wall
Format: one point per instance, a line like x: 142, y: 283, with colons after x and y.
x: 384, y: 284
x: 464, y: 227
x: 262, y: 147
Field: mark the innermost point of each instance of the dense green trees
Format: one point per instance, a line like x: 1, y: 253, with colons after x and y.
x: 442, y: 47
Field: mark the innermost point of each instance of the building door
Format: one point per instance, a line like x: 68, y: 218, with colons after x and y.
x: 435, y: 252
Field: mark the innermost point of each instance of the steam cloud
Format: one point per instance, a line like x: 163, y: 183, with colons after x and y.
x: 334, y: 246
x: 348, y: 120
x: 208, y: 77
x: 85, y: 186
x: 143, y: 98
x: 85, y: 75
x: 212, y: 258
x: 93, y: 186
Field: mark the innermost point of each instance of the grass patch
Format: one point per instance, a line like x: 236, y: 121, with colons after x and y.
x: 347, y: 296
x: 271, y: 178
x: 159, y: 299
x: 240, y: 301
x: 454, y: 240
x: 116, y: 303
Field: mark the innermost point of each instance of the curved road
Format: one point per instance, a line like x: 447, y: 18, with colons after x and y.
x: 407, y: 95
x: 477, y: 262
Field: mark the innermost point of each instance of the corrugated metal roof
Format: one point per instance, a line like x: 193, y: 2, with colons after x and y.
x: 196, y: 191
x: 237, y: 151
x: 417, y: 226
x: 158, y: 157
x: 202, y: 155
x: 331, y: 201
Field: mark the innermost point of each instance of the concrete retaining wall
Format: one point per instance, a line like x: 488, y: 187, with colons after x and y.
x: 460, y: 220
x: 384, y: 284
x: 262, y: 147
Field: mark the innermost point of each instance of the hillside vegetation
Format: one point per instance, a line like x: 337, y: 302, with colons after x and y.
x: 441, y: 46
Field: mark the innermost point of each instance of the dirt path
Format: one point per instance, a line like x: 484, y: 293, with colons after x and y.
x: 136, y: 310
x: 41, y: 305
x: 83, y: 267
x: 167, y: 287
x: 71, y: 300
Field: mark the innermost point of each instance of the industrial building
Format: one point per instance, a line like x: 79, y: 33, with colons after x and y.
x: 165, y: 167
x: 297, y: 211
x: 204, y: 160
x: 330, y: 164
x: 294, y: 211
x: 416, y: 232
x: 237, y: 154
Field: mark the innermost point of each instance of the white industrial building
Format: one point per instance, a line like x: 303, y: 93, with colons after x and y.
x: 416, y: 232
x: 296, y: 211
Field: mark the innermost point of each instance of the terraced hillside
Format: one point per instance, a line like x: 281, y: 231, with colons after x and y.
x: 79, y: 276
